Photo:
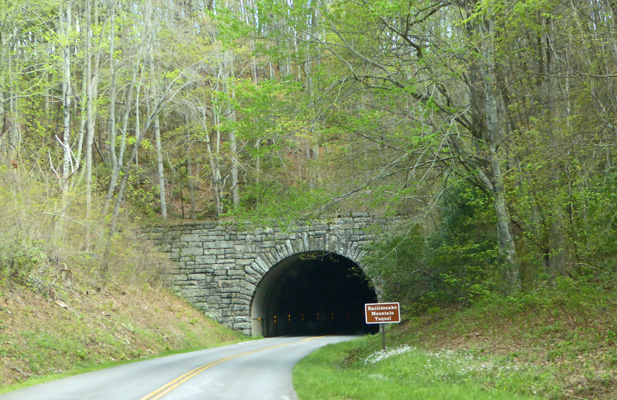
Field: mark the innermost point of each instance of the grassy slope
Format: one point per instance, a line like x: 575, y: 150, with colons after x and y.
x: 41, y: 335
x: 109, y: 311
x: 556, y: 344
x: 335, y: 373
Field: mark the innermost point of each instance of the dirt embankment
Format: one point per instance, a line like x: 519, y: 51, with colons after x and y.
x: 43, y: 334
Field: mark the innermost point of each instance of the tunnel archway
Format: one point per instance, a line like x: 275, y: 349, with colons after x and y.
x: 312, y: 293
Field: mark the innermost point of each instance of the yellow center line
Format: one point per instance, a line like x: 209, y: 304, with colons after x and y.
x: 163, y: 390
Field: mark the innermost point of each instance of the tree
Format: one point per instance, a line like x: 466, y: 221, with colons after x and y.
x: 489, y: 91
x: 280, y: 108
x: 436, y: 66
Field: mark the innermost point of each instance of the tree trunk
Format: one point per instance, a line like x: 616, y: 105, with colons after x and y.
x: 112, y: 89
x: 191, y: 183
x: 66, y: 103
x: 229, y: 76
x: 215, y: 170
x: 156, y: 94
x: 92, y: 84
x: 113, y: 182
x: 494, y: 139
x: 504, y: 229
x: 160, y: 165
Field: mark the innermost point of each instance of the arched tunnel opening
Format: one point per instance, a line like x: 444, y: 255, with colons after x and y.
x: 313, y: 293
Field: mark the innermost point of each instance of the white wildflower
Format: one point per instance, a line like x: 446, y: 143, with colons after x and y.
x: 382, y: 355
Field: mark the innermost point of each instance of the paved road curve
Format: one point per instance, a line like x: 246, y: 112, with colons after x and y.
x: 256, y: 370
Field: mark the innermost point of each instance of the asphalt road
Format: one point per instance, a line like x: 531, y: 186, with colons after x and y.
x: 255, y: 370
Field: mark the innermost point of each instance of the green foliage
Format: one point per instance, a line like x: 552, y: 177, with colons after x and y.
x: 20, y: 256
x: 589, y: 299
x: 595, y: 230
x: 39, y: 238
x: 142, y: 195
x: 371, y: 101
x: 264, y: 204
x: 455, y: 264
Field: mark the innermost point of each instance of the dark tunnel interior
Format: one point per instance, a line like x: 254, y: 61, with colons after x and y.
x: 312, y: 293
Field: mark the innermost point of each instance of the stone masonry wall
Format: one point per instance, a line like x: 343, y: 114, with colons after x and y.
x: 218, y: 266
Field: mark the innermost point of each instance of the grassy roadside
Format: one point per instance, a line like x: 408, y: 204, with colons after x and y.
x: 344, y: 372
x: 41, y: 339
x: 557, y: 343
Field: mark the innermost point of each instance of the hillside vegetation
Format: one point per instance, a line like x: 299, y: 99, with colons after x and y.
x: 556, y: 343
x: 62, y: 308
x: 490, y: 125
x: 289, y: 109
x: 467, y: 336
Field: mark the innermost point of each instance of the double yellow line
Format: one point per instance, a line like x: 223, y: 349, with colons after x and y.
x: 163, y: 390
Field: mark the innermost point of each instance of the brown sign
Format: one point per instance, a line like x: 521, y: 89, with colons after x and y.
x: 382, y: 313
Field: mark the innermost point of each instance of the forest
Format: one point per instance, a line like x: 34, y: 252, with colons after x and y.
x: 490, y: 124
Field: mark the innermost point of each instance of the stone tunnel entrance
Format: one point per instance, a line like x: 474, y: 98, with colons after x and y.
x: 312, y: 293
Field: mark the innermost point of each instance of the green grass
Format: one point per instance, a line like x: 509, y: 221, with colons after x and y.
x: 41, y: 341
x: 555, y: 343
x: 354, y: 370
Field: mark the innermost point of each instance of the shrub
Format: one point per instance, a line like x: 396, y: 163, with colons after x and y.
x: 19, y: 257
x: 453, y: 264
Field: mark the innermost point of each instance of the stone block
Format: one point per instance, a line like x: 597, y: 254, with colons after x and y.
x: 244, y: 327
x: 246, y: 294
x: 269, y: 258
x: 247, y: 285
x: 241, y: 248
x: 215, y: 252
x: 289, y: 246
x: 185, y: 282
x: 208, y: 259
x: 229, y: 284
x: 241, y: 299
x: 281, y: 235
x: 261, y: 264
x: 249, y: 270
x: 191, y: 237
x: 251, y: 279
x: 191, y: 292
x: 230, y: 254
x: 192, y: 251
x: 197, y: 277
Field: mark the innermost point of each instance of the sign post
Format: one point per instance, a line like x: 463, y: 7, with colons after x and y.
x: 382, y: 313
